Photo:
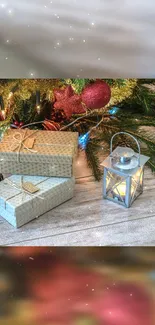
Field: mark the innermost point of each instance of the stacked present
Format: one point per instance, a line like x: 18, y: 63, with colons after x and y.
x: 41, y: 164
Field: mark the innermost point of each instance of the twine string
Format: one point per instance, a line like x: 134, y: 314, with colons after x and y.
x: 21, y: 189
x: 20, y: 139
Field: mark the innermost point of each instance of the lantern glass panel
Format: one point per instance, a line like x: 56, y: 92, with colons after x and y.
x: 116, y: 187
x: 137, y: 184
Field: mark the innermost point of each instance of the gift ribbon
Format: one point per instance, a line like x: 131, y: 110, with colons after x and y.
x: 20, y: 139
x: 22, y: 190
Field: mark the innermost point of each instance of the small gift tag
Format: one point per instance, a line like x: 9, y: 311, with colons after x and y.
x: 29, y: 187
x: 29, y: 143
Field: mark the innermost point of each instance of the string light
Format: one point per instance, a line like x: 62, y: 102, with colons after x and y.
x: 84, y: 139
x: 38, y: 109
x: 3, y: 114
x: 10, y: 95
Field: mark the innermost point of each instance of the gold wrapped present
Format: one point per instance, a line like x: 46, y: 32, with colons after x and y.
x: 38, y: 152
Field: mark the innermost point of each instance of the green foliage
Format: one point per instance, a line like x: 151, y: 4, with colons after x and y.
x: 93, y: 160
x: 25, y: 110
x: 80, y: 84
x: 115, y: 82
x: 142, y: 101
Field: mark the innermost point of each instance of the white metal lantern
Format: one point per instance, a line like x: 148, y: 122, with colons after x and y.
x: 123, y: 173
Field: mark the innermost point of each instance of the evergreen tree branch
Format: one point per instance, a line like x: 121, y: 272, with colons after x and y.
x: 93, y: 160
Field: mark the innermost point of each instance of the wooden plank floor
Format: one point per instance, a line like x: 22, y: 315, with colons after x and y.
x: 88, y: 220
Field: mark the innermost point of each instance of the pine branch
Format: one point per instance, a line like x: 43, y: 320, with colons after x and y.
x: 79, y: 84
x: 93, y: 160
x: 141, y: 101
x: 115, y: 82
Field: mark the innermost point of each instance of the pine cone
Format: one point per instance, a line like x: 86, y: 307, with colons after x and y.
x: 51, y: 125
x: 58, y: 116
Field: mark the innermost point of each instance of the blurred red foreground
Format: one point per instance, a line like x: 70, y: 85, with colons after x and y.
x: 67, y: 294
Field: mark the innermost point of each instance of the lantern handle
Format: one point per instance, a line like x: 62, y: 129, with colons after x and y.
x: 138, y: 145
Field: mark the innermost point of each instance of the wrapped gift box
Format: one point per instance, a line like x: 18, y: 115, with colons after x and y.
x: 35, y: 152
x: 19, y: 206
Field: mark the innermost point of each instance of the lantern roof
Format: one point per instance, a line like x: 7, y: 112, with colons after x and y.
x: 112, y: 163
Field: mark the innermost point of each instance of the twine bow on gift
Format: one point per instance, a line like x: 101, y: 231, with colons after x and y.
x: 19, y: 143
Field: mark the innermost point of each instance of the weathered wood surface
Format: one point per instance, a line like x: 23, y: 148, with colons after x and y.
x: 88, y: 220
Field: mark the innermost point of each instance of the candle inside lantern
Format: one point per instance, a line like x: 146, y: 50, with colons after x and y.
x: 120, y: 190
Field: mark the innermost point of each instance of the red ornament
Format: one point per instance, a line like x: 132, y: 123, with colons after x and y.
x: 61, y: 94
x: 125, y: 304
x: 96, y: 95
x: 16, y: 123
x: 51, y: 125
x: 21, y: 124
x: 77, y: 106
x: 69, y: 102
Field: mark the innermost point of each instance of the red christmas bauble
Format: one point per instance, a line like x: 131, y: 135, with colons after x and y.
x: 21, y: 124
x: 124, y: 304
x: 96, y: 95
x: 16, y: 123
